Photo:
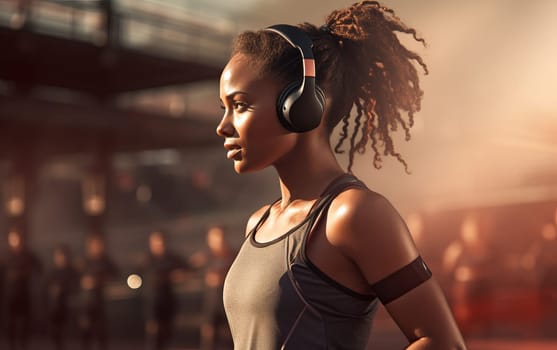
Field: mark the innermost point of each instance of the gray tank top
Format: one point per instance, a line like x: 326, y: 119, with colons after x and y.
x: 275, y: 298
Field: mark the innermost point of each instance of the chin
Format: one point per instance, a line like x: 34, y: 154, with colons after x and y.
x: 241, y: 167
x: 242, y: 170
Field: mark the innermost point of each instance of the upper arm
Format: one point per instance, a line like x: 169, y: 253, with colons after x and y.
x: 371, y: 233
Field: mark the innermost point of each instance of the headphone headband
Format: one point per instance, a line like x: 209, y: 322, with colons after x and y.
x: 296, y: 37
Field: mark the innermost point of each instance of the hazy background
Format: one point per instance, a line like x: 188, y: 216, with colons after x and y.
x: 483, y: 152
x: 488, y: 119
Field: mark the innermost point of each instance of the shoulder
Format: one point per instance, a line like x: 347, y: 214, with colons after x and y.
x: 368, y: 230
x: 358, y: 208
x: 255, y: 217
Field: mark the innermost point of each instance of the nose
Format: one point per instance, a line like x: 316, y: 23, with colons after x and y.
x: 225, y: 127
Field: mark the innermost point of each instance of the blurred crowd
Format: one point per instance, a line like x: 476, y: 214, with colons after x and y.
x: 502, y: 282
x: 73, y: 289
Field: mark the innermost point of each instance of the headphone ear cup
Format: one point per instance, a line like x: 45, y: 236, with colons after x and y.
x: 313, y: 112
x: 304, y: 119
x: 282, y: 109
x: 320, y: 97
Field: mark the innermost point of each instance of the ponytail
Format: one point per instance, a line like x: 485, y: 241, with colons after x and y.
x: 385, y: 79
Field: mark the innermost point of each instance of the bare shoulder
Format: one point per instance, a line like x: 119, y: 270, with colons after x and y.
x: 367, y: 229
x: 355, y: 209
x: 255, y: 217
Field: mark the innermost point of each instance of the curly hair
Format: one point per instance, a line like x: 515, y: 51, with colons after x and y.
x: 361, y: 63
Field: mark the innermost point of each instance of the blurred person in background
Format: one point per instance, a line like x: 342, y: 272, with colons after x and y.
x: 61, y: 284
x: 2, y: 307
x: 546, y: 262
x: 215, y: 261
x: 21, y: 17
x: 468, y: 263
x: 544, y: 255
x: 96, y: 270
x: 107, y: 8
x: 316, y: 262
x: 162, y: 269
x: 22, y: 270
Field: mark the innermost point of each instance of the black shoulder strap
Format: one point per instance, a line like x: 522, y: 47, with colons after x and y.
x: 339, y: 185
x: 262, y: 218
x: 344, y: 181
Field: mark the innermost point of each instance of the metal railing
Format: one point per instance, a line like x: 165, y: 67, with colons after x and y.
x: 153, y: 26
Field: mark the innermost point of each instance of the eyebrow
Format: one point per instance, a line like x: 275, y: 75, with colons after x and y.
x: 234, y: 93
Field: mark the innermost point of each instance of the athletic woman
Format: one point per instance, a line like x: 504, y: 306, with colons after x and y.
x: 318, y: 260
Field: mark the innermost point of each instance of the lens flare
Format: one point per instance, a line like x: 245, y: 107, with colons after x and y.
x: 134, y: 281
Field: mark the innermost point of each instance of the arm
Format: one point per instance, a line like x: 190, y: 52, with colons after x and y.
x: 429, y: 324
x: 370, y: 233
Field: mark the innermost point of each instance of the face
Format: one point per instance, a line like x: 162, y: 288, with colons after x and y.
x: 469, y: 231
x: 95, y: 247
x: 253, y: 135
x: 60, y: 258
x: 156, y: 243
x: 215, y: 239
x: 14, y: 241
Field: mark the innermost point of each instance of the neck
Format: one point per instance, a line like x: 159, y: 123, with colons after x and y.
x: 307, y: 171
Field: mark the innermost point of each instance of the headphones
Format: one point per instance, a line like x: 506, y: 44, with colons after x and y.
x: 301, y: 103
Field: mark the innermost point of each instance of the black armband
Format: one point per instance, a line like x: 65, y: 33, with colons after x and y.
x: 402, y: 281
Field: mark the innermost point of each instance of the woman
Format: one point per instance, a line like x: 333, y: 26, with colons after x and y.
x: 22, y: 268
x: 216, y: 260
x: 162, y: 268
x: 61, y: 283
x: 316, y: 261
x: 97, y: 270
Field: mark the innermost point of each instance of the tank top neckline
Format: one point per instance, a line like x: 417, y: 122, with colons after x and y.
x: 314, y: 210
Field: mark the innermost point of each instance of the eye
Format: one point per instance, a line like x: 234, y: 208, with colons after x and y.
x: 240, y: 106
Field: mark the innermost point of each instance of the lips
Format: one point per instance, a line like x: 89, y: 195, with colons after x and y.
x: 233, y: 153
x: 233, y: 149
